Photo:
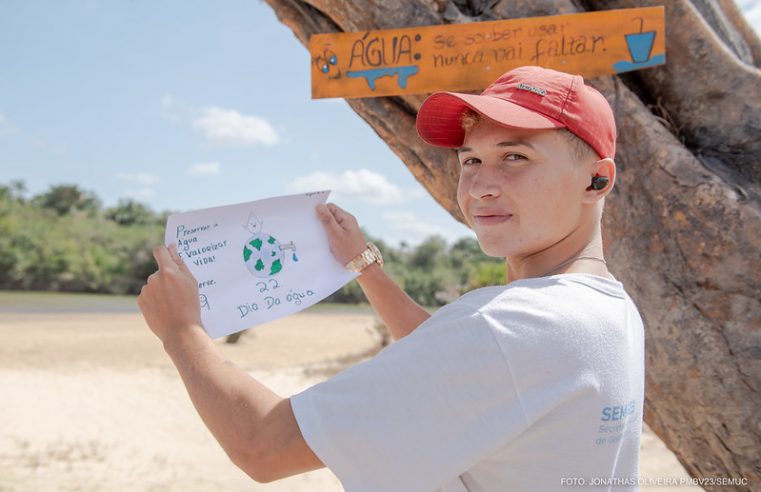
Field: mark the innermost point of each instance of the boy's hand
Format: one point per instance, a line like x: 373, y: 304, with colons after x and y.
x: 345, y: 237
x: 169, y: 301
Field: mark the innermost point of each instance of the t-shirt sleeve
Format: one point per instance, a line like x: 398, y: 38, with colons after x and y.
x: 421, y: 412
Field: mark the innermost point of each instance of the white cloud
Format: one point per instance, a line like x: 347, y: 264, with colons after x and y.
x: 174, y: 110
x: 6, y: 127
x: 363, y: 184
x: 167, y: 102
x: 204, y: 168
x: 145, y: 182
x: 140, y: 193
x: 408, y: 227
x: 141, y: 178
x: 229, y: 127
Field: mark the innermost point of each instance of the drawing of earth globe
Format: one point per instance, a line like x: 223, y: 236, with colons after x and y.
x: 262, y: 255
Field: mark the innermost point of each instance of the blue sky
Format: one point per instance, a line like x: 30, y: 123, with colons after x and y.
x: 192, y: 104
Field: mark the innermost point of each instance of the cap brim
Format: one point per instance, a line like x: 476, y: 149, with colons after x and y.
x: 439, y: 118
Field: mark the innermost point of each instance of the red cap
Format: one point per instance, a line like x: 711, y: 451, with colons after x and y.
x: 527, y: 98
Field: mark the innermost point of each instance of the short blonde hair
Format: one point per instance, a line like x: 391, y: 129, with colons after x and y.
x: 580, y: 150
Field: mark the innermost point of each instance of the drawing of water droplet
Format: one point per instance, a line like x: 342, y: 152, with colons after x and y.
x: 295, y: 258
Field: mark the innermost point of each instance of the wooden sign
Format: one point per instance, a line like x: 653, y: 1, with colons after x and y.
x: 460, y: 57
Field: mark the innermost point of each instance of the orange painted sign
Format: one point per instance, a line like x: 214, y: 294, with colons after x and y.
x: 460, y: 57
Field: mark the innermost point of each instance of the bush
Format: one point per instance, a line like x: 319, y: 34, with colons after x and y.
x: 62, y: 240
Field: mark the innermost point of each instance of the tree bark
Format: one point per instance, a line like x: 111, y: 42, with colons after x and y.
x: 682, y: 226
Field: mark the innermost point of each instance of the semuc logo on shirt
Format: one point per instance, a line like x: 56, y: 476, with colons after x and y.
x: 617, y: 412
x: 616, y: 417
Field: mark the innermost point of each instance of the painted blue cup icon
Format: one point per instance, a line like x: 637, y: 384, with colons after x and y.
x: 640, y: 45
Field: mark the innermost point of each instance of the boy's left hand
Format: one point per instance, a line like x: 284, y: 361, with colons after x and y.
x: 169, y: 301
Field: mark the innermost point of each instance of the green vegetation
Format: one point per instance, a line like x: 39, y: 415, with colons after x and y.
x: 64, y: 240
x: 433, y: 273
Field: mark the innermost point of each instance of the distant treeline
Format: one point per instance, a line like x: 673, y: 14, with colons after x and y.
x: 65, y: 240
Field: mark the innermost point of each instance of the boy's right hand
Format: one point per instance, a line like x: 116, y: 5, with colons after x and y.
x: 345, y: 237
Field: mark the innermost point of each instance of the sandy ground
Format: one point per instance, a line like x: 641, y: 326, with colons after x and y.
x: 90, y: 402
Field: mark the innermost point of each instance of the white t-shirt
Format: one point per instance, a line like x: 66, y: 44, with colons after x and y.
x: 528, y: 386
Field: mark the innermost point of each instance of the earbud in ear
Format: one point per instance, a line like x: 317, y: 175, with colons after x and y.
x: 599, y: 182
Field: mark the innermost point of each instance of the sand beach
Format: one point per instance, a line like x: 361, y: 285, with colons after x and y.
x: 90, y: 402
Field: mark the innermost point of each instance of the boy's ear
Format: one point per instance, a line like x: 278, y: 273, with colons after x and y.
x: 603, y: 167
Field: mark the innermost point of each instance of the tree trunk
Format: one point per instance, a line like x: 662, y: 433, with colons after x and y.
x: 682, y: 226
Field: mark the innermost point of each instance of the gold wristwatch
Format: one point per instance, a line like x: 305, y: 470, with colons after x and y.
x: 370, y: 255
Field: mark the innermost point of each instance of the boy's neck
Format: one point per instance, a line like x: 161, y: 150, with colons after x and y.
x: 584, y: 241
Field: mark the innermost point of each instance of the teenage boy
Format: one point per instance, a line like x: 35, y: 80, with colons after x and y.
x: 533, y: 385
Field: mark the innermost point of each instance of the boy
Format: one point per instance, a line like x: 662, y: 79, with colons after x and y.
x: 533, y: 385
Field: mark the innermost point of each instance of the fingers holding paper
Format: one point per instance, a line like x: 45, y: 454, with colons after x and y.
x: 169, y: 300
x: 344, y: 235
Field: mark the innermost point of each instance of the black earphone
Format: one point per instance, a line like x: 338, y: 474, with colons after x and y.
x: 599, y: 182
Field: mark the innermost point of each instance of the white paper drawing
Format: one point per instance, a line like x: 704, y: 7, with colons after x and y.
x: 257, y: 261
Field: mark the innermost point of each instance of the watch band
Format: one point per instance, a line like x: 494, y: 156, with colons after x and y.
x: 370, y: 255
